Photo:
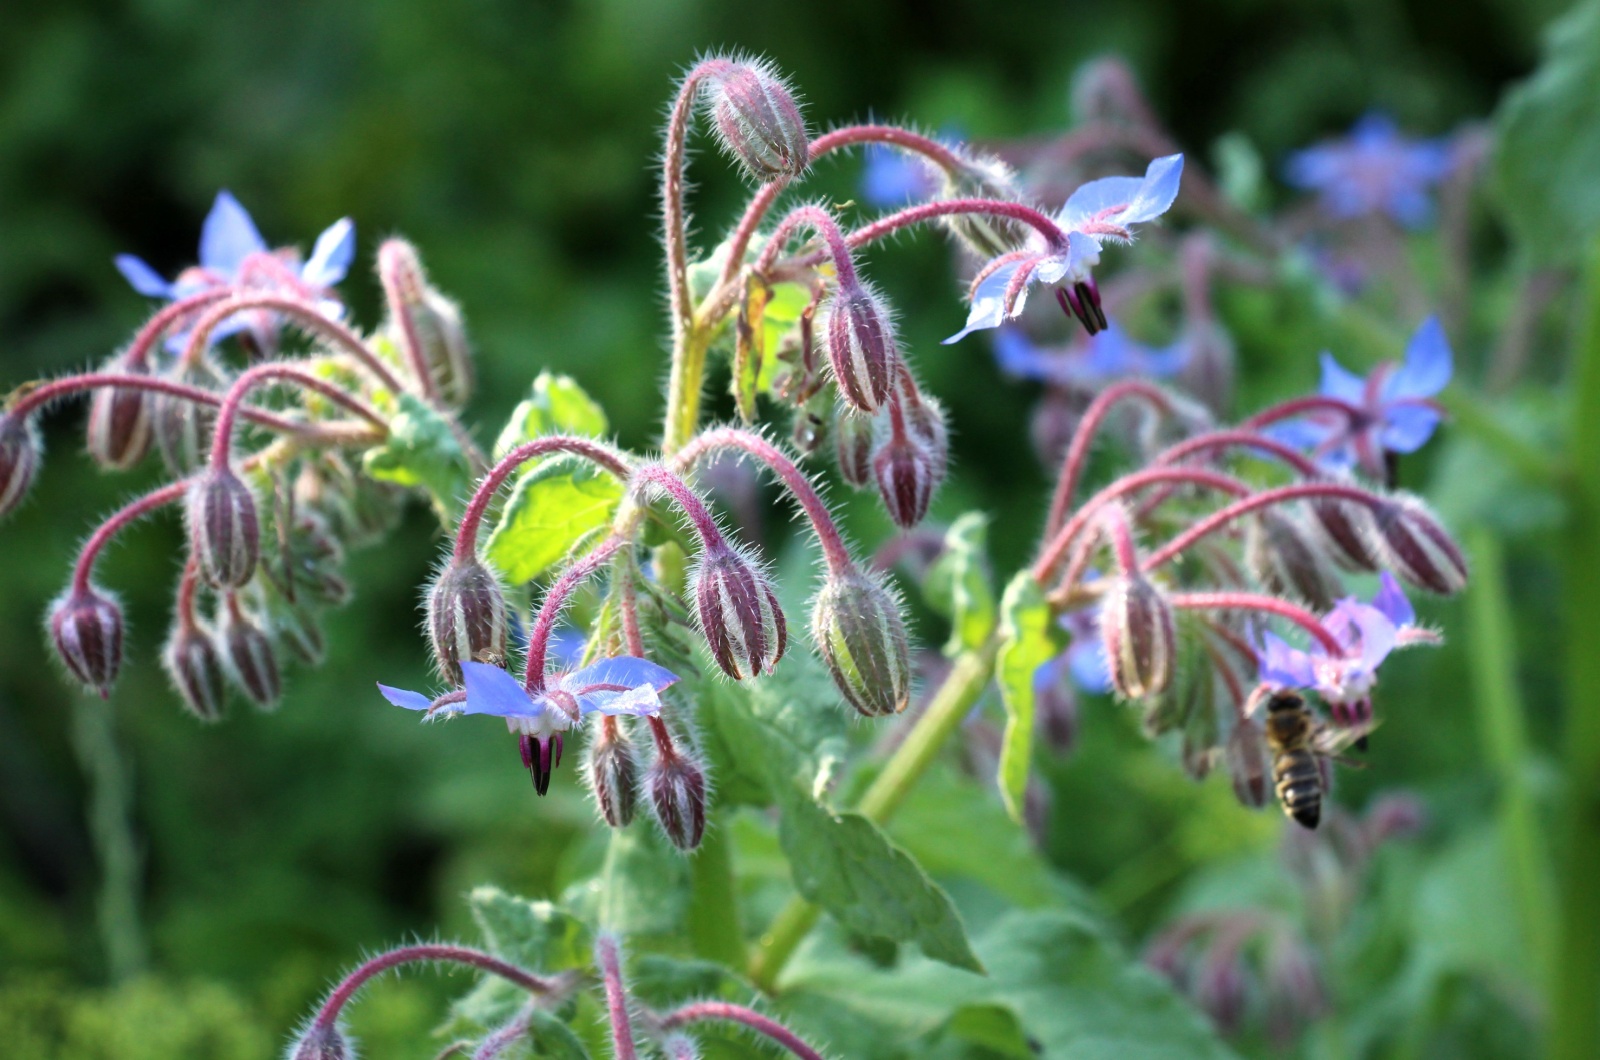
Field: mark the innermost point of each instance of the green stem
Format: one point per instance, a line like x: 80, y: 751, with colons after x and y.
x: 110, y: 793
x: 1575, y: 986
x: 714, y: 928
x: 961, y: 688
x: 683, y: 389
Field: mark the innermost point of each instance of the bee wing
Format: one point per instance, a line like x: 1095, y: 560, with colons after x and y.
x: 1330, y: 741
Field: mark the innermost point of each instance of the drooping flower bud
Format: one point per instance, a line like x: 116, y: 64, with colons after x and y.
x: 613, y: 772
x: 758, y: 121
x: 861, y: 346
x: 224, y: 528
x: 1136, y: 627
x: 195, y: 666
x: 1284, y: 556
x: 86, y: 629
x: 910, y: 466
x: 739, y: 613
x: 322, y: 1042
x: 852, y: 434
x: 1350, y: 533
x: 252, y: 662
x: 119, y: 422
x: 466, y: 617
x: 426, y: 320
x: 1249, y: 763
x: 183, y: 428
x: 1418, y: 548
x: 856, y: 625
x: 678, y: 796
x: 983, y: 177
x: 19, y: 460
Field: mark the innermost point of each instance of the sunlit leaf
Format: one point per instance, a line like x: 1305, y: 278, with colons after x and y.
x: 555, y: 507
x: 958, y: 584
x: 421, y: 451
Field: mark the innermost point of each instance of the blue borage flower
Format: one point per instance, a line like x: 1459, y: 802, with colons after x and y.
x: 233, y: 254
x: 892, y: 177
x: 616, y: 686
x: 1398, y: 410
x: 1083, y: 661
x: 1109, y: 355
x: 1373, y: 170
x: 1100, y: 211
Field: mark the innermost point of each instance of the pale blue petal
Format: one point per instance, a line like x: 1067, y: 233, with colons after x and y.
x: 1087, y: 660
x: 1020, y: 358
x: 1410, y: 205
x: 1374, y: 130
x: 626, y: 670
x: 1161, y: 362
x: 490, y: 690
x: 228, y: 236
x: 1140, y: 198
x: 1377, y: 635
x: 1406, y: 428
x: 1339, y: 383
x: 1427, y: 367
x: 1392, y: 603
x: 402, y: 698
x: 1282, y: 665
x: 1313, y: 168
x: 142, y: 277
x: 988, y: 303
x: 1099, y: 195
x: 1302, y: 433
x: 331, y: 257
x: 639, y: 702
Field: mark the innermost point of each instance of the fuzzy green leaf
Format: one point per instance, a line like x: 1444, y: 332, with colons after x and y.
x: 958, y: 585
x: 1029, y: 637
x: 554, y: 509
x: 558, y: 405
x: 421, y: 451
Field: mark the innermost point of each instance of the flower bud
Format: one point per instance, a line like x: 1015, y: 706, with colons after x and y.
x: 1220, y: 987
x: 252, y: 663
x: 192, y: 661
x: 758, y: 121
x: 739, y: 613
x: 861, y: 346
x: 1349, y: 532
x: 183, y: 428
x: 856, y: 625
x: 983, y: 177
x: 910, y: 466
x: 1417, y: 547
x: 86, y: 628
x: 678, y: 797
x: 613, y: 772
x: 1285, y: 557
x: 19, y: 460
x: 852, y: 434
x: 1136, y: 628
x: 119, y: 422
x: 322, y: 1042
x: 427, y: 321
x: 466, y: 617
x: 224, y: 529
x: 1249, y: 763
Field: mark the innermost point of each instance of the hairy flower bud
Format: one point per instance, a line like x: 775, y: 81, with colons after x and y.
x: 910, y: 467
x: 1284, y: 556
x: 983, y: 177
x: 119, y: 422
x: 613, y: 772
x: 758, y: 121
x: 322, y: 1042
x: 195, y: 666
x: 224, y: 528
x: 466, y: 618
x: 861, y: 346
x: 426, y: 321
x: 852, y: 434
x: 739, y: 613
x: 252, y: 662
x: 1249, y: 763
x: 86, y: 629
x: 19, y: 460
x: 1417, y: 547
x: 856, y: 625
x: 1137, y: 629
x: 1349, y: 531
x: 183, y: 428
x: 677, y: 788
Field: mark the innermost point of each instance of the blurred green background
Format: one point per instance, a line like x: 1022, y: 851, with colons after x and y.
x: 514, y: 143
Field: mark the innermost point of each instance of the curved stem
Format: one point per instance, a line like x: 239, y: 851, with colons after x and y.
x: 723, y: 1012
x: 673, y: 214
x: 394, y: 271
x: 554, y: 600
x: 341, y: 995
x: 1083, y: 437
x: 84, y: 569
x: 1300, y: 406
x: 687, y: 501
x: 222, y: 439
x: 145, y: 339
x: 1239, y: 439
x: 59, y: 388
x: 598, y: 453
x: 1270, y: 605
x: 930, y: 211
x: 610, y: 961
x: 823, y: 223
x: 1265, y: 499
x: 507, y: 1035
x: 1115, y: 521
x: 306, y: 315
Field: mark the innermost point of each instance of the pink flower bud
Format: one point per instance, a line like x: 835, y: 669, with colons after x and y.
x: 856, y: 625
x: 758, y: 121
x: 19, y: 460
x: 739, y: 613
x: 183, y: 428
x: 466, y: 618
x: 1249, y: 764
x: 852, y: 434
x: 1349, y: 532
x: 1288, y: 560
x: 427, y: 320
x: 192, y: 661
x: 613, y: 772
x: 322, y: 1042
x: 86, y: 629
x: 119, y: 422
x: 677, y: 788
x: 1417, y: 547
x: 1136, y: 627
x: 1220, y: 987
x: 224, y: 530
x: 909, y: 468
x: 252, y: 662
x: 861, y: 346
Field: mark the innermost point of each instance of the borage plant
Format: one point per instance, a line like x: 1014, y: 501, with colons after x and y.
x: 1204, y: 584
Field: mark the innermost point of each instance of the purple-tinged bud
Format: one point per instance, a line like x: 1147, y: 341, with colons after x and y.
x: 183, y: 428
x: 1417, y: 547
x: 853, y: 435
x: 119, y: 422
x: 224, y: 528
x: 19, y: 460
x: 1350, y: 533
x: 910, y: 467
x: 1249, y: 763
x: 1286, y: 557
x: 466, y: 618
x: 195, y: 666
x: 613, y: 772
x: 856, y: 625
x: 739, y: 613
x: 1220, y: 987
x: 252, y: 662
x: 677, y: 788
x: 1295, y: 994
x: 680, y: 1047
x: 86, y: 629
x: 758, y: 122
x: 983, y: 177
x: 1136, y: 628
x: 861, y: 346
x: 322, y: 1042
x: 541, y: 755
x: 430, y: 320
x: 1055, y: 710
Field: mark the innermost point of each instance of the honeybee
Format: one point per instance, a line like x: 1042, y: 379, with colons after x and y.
x: 1302, y: 748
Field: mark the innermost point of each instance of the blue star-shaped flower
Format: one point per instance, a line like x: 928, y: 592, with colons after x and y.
x: 1374, y: 170
x: 1101, y: 211
x: 1111, y: 354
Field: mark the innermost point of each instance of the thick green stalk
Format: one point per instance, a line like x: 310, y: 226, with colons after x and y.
x: 1575, y: 986
x: 683, y: 389
x: 714, y: 928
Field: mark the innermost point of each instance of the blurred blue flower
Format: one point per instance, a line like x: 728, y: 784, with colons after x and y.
x: 1373, y: 170
x: 1109, y: 355
x: 891, y: 177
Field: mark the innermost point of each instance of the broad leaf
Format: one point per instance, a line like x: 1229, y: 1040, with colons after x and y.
x: 958, y: 584
x: 1029, y: 637
x: 421, y: 451
x: 536, y: 934
x: 550, y: 1039
x: 558, y: 405
x: 555, y: 507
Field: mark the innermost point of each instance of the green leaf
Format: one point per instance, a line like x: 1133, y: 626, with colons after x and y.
x: 554, y: 508
x: 421, y: 451
x: 535, y: 934
x: 642, y: 888
x: 558, y: 405
x: 994, y: 1027
x: 958, y: 584
x: 1029, y: 637
x: 1548, y: 143
x: 550, y: 1039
